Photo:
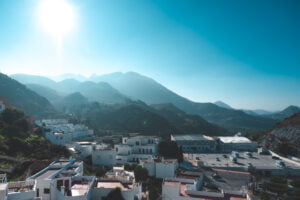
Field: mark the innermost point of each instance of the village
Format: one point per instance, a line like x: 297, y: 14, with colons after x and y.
x: 214, y: 168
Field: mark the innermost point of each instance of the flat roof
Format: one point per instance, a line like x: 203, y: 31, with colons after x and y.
x: 171, y: 183
x: 61, y: 162
x: 79, y: 189
x: 260, y: 162
x: 191, y: 137
x: 3, y: 186
x: 120, y: 185
x: 235, y: 139
x: 48, y: 173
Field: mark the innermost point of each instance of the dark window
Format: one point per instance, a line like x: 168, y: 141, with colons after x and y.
x: 59, y: 184
x: 46, y: 191
x: 37, y: 192
x: 66, y: 183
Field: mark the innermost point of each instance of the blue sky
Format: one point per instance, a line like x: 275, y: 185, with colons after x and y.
x: 245, y: 53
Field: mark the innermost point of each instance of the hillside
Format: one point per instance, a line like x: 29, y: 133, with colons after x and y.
x: 49, y: 93
x: 142, y: 88
x: 188, y: 123
x: 23, y: 98
x: 141, y: 118
x: 234, y: 120
x: 71, y: 100
x: 20, y: 139
x: 100, y: 92
x: 130, y: 118
x: 284, y: 138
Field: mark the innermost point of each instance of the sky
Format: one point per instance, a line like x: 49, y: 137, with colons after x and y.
x: 245, y: 53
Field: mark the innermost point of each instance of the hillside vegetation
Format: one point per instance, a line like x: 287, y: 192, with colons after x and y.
x: 187, y: 123
x: 23, y: 98
x: 20, y: 139
x: 140, y: 118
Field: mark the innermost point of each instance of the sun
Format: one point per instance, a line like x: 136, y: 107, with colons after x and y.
x: 57, y: 17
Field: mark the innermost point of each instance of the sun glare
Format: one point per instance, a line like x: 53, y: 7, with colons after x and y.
x: 57, y: 18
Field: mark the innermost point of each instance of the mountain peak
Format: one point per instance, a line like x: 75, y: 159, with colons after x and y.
x: 222, y: 104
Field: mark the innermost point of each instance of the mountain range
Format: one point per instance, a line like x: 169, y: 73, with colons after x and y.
x: 121, y: 88
x: 276, y: 115
x: 129, y: 116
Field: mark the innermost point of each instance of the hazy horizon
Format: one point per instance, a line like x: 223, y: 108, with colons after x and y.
x: 61, y: 77
x: 244, y: 53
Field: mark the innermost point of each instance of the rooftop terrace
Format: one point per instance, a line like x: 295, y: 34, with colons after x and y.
x: 243, y: 161
x: 191, y: 137
x: 235, y: 139
x: 110, y: 184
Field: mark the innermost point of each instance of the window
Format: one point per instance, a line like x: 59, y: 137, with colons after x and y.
x: 46, y: 191
x: 59, y: 184
x: 37, y: 192
x: 66, y: 183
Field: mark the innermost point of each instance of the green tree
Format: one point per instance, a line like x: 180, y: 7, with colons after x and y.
x: 169, y: 149
x: 140, y: 173
x: 115, y: 194
x: 130, y: 167
x: 10, y: 116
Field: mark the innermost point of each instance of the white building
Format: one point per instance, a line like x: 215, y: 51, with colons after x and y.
x: 187, y: 185
x: 133, y: 149
x: 194, y: 143
x: 60, y: 132
x: 2, y: 106
x: 178, y: 188
x: 3, y: 187
x: 84, y: 148
x: 236, y: 143
x: 160, y: 168
x: 122, y: 179
x: 103, y: 156
x: 63, y: 179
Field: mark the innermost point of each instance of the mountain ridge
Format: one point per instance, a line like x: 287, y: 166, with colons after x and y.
x: 139, y: 87
x: 23, y: 98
